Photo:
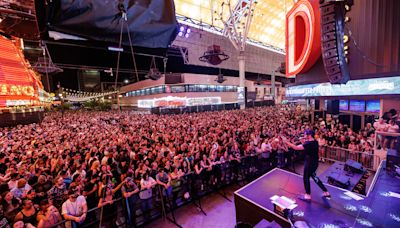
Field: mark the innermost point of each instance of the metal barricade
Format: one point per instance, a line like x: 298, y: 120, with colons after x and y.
x: 368, y: 160
x: 192, y: 187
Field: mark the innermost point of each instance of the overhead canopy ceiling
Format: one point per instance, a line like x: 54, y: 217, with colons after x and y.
x: 268, y: 23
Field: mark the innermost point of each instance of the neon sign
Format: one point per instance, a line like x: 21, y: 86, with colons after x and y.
x: 17, y: 90
x: 303, y: 44
x: 171, y: 101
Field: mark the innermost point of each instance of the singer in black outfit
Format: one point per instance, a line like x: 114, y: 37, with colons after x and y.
x: 310, y: 147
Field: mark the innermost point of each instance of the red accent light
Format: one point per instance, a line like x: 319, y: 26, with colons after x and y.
x: 303, y: 44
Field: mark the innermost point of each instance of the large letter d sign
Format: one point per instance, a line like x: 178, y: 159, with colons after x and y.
x: 303, y: 40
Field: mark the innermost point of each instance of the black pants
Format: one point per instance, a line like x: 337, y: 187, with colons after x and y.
x: 310, y: 168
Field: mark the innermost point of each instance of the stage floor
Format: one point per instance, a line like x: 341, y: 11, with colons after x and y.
x: 378, y: 209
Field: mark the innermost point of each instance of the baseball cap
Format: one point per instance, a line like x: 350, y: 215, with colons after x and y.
x: 309, y: 132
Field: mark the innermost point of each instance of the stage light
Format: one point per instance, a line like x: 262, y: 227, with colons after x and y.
x: 364, y: 222
x: 126, y: 81
x: 365, y: 209
x: 394, y: 217
x: 350, y: 207
x: 345, y: 38
x: 184, y: 31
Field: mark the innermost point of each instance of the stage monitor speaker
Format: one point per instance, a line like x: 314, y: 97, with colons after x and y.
x: 339, y: 179
x: 333, y: 107
x: 353, y: 166
x: 392, y: 159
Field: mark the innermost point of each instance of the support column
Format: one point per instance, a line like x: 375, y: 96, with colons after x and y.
x: 351, y: 121
x: 273, y: 86
x: 362, y: 121
x: 242, y: 75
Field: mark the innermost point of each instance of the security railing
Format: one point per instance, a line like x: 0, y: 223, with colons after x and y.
x: 190, y: 188
x: 386, y: 140
x: 369, y: 160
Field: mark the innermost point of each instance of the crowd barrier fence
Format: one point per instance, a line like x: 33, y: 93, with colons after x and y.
x: 192, y: 187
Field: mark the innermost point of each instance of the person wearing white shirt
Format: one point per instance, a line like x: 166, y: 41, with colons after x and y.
x: 380, y: 125
x: 146, y: 183
x: 74, y: 209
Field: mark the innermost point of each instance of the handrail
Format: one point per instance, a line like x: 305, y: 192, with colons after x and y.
x: 384, y: 133
x: 369, y: 160
x: 250, y: 167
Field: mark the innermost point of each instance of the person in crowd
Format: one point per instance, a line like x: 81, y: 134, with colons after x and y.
x: 74, y: 209
x: 380, y: 126
x: 392, y: 127
x: 129, y: 192
x: 107, y: 204
x: 58, y: 193
x: 28, y: 213
x: 10, y: 205
x: 147, y: 184
x: 21, y: 189
x: 49, y: 217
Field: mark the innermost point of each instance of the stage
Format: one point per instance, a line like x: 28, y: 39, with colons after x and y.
x: 378, y: 209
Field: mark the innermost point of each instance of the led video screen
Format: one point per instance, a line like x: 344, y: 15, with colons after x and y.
x: 343, y: 105
x: 357, y: 105
x: 373, y: 106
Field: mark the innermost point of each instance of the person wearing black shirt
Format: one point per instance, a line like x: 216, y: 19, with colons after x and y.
x: 310, y: 147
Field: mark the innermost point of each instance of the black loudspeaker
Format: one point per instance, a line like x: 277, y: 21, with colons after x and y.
x: 333, y: 107
x: 392, y: 159
x: 316, y: 104
x: 339, y: 179
x: 332, y: 41
x: 353, y: 166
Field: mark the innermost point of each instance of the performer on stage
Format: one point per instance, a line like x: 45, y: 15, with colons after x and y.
x: 310, y: 147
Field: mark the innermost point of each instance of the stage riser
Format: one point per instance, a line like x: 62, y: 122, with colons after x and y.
x: 250, y: 213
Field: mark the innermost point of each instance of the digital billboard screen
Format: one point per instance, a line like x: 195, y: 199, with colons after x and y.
x: 373, y: 86
x: 357, y: 105
x: 373, y: 106
x: 343, y: 105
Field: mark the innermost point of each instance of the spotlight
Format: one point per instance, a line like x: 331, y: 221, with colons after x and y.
x: 184, y: 31
x: 126, y: 81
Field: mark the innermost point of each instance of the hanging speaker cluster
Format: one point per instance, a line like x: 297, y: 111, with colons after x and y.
x: 220, y: 78
x: 154, y: 74
x: 333, y: 39
x: 214, y: 55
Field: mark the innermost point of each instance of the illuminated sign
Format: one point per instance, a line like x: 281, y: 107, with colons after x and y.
x: 374, y: 86
x: 178, y: 102
x: 303, y: 44
x: 240, y: 95
x: 18, y: 84
x: 17, y: 90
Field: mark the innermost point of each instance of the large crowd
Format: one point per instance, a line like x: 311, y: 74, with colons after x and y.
x: 69, y: 163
